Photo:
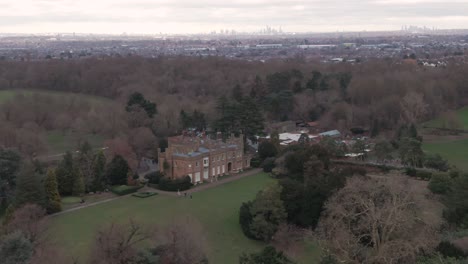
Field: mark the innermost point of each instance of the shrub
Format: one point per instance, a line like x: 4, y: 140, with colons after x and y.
x: 436, y: 162
x: 267, y: 149
x: 255, y: 162
x: 125, y: 189
x: 181, y: 184
x: 454, y: 173
x: 424, y: 175
x: 245, y: 219
x: 447, y: 249
x: 144, y: 194
x: 354, y: 170
x: 384, y: 168
x: 154, y: 177
x: 410, y: 172
x: 268, y: 255
x: 440, y: 184
x: 268, y: 164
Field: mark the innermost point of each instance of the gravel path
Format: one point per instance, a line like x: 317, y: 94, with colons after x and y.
x: 195, y: 189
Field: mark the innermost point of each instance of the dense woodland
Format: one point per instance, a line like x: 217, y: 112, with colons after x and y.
x: 376, y: 94
x: 139, y: 102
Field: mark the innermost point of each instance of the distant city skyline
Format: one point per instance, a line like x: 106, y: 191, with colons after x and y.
x: 205, y: 16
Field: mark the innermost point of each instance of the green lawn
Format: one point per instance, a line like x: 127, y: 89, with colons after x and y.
x: 455, y: 151
x: 216, y: 209
x: 6, y: 95
x: 74, y: 201
x: 60, y: 142
x: 439, y: 122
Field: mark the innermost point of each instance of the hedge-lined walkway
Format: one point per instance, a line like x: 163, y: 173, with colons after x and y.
x: 195, y: 189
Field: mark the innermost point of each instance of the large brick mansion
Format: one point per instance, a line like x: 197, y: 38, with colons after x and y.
x: 202, y: 158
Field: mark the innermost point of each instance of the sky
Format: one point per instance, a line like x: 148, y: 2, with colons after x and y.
x: 204, y: 16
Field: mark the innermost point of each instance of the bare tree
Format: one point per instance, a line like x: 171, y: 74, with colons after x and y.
x: 289, y: 239
x: 376, y: 220
x: 182, y: 243
x: 142, y: 141
x: 121, y: 146
x: 30, y: 220
x: 414, y: 107
x: 116, y: 244
x: 48, y: 253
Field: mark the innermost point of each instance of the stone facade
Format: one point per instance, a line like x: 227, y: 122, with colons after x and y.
x: 202, y: 158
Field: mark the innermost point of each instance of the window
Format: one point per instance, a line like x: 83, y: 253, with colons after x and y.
x: 205, y: 161
x: 222, y: 157
x: 196, y: 164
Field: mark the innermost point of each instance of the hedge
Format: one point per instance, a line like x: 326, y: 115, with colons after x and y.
x: 268, y: 164
x: 154, y: 177
x: 125, y: 189
x: 384, y: 168
x: 424, y: 175
x: 255, y: 162
x: 144, y: 194
x: 354, y: 170
x: 181, y: 184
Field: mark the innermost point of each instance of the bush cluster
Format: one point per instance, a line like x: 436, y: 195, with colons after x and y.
x: 154, y: 177
x: 447, y: 249
x: 424, y: 175
x: 440, y: 184
x: 420, y: 174
x: 268, y: 165
x: 181, y: 184
x: 144, y: 194
x: 255, y: 162
x: 354, y: 170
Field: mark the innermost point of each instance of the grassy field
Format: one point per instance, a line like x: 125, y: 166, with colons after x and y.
x: 456, y: 151
x: 69, y: 202
x: 216, y: 209
x: 60, y: 142
x: 6, y: 95
x: 452, y: 147
x: 439, y: 122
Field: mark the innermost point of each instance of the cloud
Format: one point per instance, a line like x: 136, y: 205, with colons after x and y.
x: 189, y: 16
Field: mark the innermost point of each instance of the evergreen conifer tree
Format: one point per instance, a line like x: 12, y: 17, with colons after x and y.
x: 29, y: 188
x: 99, y: 165
x: 117, y: 171
x: 78, y: 184
x: 52, y: 195
x: 66, y: 175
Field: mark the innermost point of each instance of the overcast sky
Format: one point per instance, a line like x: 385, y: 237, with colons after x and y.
x: 196, y: 16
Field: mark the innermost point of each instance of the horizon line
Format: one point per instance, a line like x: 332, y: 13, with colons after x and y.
x: 217, y: 33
